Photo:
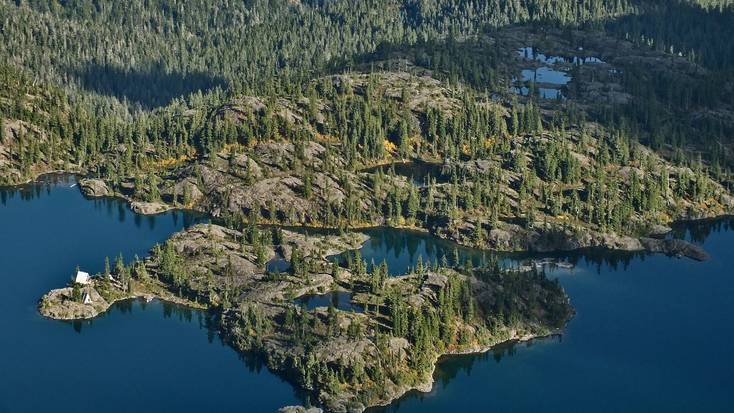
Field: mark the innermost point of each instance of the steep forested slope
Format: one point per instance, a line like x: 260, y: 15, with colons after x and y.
x: 277, y: 109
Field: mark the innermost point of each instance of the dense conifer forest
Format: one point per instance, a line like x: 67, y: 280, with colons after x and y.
x: 512, y: 125
x: 150, y: 96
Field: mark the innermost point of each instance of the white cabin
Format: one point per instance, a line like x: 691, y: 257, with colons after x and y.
x: 82, y: 278
x: 87, y: 298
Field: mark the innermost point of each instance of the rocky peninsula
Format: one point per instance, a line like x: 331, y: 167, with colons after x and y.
x: 346, y: 360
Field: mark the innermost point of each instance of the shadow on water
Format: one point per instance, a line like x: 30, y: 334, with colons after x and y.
x: 29, y: 192
x: 111, y: 207
x: 400, y: 248
x: 698, y: 231
x: 207, y: 321
x: 403, y: 249
x: 450, y: 367
x: 617, y: 295
x: 150, y: 88
x: 341, y: 300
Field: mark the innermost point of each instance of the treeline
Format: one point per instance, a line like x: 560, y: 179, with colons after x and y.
x: 368, y: 125
x: 140, y: 51
x: 697, y: 29
x: 145, y: 54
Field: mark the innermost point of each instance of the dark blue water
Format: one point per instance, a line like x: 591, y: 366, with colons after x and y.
x: 277, y: 264
x: 341, y: 300
x: 401, y: 249
x: 136, y: 358
x: 652, y: 333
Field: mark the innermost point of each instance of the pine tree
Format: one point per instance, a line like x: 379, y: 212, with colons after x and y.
x: 413, y: 203
x: 107, y: 270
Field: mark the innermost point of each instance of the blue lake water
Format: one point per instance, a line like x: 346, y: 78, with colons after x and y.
x: 341, y: 300
x: 277, y: 264
x: 546, y: 75
x: 137, y: 358
x: 550, y: 75
x: 529, y: 53
x: 651, y: 334
x: 543, y: 92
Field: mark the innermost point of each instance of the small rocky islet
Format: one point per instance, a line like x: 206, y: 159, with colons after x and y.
x: 346, y: 360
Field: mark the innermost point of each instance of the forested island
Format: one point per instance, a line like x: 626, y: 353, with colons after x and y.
x: 503, y: 125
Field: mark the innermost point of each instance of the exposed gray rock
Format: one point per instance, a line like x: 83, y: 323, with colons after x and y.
x: 549, y: 238
x: 149, y: 208
x: 658, y: 230
x: 299, y: 409
x: 216, y: 267
x: 675, y: 247
x: 95, y: 188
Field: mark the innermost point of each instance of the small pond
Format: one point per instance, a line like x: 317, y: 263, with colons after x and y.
x: 530, y: 53
x: 543, y: 92
x: 341, y: 300
x: 551, y: 78
x: 277, y: 264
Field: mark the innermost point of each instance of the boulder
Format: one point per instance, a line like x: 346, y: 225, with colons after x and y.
x: 675, y: 247
x: 95, y: 188
x: 149, y: 208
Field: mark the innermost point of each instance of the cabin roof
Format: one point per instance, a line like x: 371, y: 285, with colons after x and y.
x: 81, y: 277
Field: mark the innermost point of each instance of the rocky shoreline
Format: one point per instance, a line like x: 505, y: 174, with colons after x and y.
x: 508, y: 238
x: 99, y: 295
x: 97, y: 188
x: 427, y: 386
x: 500, y: 237
x: 244, y: 294
x: 347, y: 360
x: 548, y: 238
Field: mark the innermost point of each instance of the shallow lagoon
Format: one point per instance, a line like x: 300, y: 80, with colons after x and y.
x: 652, y: 333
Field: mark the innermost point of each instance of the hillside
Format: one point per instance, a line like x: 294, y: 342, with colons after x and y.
x: 505, y: 175
x: 501, y: 125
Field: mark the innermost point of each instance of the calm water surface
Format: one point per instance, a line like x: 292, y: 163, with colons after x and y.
x: 137, y: 357
x: 652, y: 333
x: 341, y: 300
